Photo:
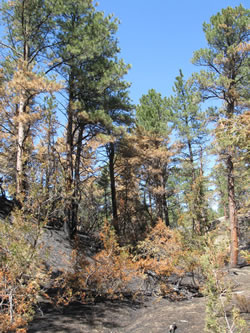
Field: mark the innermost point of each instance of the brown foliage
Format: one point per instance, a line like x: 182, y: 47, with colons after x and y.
x: 105, y: 274
x: 20, y: 272
x: 162, y: 251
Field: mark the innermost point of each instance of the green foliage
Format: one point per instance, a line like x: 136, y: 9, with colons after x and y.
x: 142, y: 179
x: 226, y: 58
x: 190, y: 124
x: 188, y: 118
x: 153, y: 119
x: 152, y: 113
x: 225, y: 78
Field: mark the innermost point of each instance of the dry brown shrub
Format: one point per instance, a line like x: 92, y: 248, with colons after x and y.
x: 162, y: 251
x: 105, y: 274
x: 21, y: 272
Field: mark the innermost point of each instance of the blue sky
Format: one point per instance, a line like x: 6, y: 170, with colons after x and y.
x: 159, y: 37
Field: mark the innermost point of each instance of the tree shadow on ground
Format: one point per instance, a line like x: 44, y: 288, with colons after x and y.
x: 74, y: 317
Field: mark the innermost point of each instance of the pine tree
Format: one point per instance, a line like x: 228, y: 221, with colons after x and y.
x: 152, y: 113
x: 132, y: 209
x: 153, y: 117
x: 190, y: 124
x: 227, y: 62
x: 87, y: 56
x: 29, y: 23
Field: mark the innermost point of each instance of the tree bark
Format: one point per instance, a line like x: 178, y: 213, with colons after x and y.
x: 231, y: 198
x: 111, y: 156
x: 69, y: 223
x: 232, y: 212
x: 76, y: 191
x: 166, y: 213
x: 20, y: 147
x: 164, y: 198
x: 191, y: 160
x: 21, y: 112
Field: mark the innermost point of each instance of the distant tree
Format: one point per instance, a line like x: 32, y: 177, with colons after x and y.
x: 152, y: 113
x: 220, y: 181
x: 190, y: 124
x: 153, y: 117
x: 226, y: 79
x: 104, y: 183
x: 119, y: 116
x: 131, y: 215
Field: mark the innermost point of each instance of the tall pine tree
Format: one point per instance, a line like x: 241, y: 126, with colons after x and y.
x: 226, y: 78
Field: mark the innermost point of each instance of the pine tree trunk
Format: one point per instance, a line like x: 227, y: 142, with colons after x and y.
x: 111, y: 153
x: 166, y: 214
x: 164, y: 198
x: 20, y: 147
x: 231, y: 199
x: 76, y: 191
x: 232, y: 212
x: 21, y: 125
x: 69, y: 216
x: 191, y: 160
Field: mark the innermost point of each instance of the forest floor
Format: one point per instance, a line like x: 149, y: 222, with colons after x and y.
x: 153, y: 315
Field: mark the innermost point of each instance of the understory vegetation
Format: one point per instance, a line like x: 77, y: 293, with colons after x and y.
x: 77, y: 155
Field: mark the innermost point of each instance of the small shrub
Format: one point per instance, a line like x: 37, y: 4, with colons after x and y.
x: 164, y: 252
x: 221, y: 315
x: 105, y: 274
x: 20, y: 272
x: 246, y: 255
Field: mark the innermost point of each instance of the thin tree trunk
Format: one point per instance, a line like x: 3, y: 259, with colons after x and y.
x: 48, y: 171
x: 231, y: 199
x: 20, y: 147
x: 69, y: 218
x: 191, y: 160
x: 76, y: 191
x: 111, y: 153
x: 203, y: 220
x: 166, y: 213
x: 164, y: 198
x: 232, y: 212
x: 21, y: 125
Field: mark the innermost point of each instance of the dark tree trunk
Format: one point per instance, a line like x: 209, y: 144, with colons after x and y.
x: 69, y: 223
x: 111, y: 156
x: 164, y: 198
x: 191, y: 160
x: 166, y: 213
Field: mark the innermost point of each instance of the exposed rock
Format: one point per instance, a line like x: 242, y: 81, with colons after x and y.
x: 244, y: 231
x: 56, y: 251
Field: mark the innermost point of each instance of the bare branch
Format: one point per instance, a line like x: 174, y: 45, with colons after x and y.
x: 11, y: 48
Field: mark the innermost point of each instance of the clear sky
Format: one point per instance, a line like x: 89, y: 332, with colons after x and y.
x: 159, y: 37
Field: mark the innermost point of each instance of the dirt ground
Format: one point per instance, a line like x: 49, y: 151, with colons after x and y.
x: 151, y: 316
